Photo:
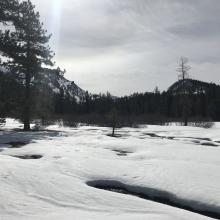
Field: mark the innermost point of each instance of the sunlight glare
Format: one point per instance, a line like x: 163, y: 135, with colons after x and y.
x: 55, y: 23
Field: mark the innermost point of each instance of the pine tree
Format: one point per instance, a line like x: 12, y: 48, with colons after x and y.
x: 8, y: 9
x: 27, y: 50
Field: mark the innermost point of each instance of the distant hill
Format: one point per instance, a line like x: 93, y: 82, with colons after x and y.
x: 192, y: 86
x: 59, y: 83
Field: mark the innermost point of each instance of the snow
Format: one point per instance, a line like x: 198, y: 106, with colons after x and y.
x: 57, y: 82
x: 55, y: 186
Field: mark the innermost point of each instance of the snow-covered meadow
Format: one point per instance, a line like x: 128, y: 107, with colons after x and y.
x: 179, y: 163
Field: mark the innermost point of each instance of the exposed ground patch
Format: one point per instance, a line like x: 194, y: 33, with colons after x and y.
x: 122, y: 152
x: 115, y: 136
x: 196, y: 140
x: 156, y: 196
x: 17, y: 144
x: 211, y: 144
x: 28, y: 157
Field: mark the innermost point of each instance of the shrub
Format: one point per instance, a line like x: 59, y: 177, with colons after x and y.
x: 2, y: 122
x: 202, y: 122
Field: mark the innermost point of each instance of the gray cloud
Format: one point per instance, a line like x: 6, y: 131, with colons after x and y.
x: 128, y: 46
x: 198, y: 30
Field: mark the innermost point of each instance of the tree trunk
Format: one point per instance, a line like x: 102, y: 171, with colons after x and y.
x: 27, y: 103
x: 185, y: 121
x: 113, y: 131
x: 27, y: 92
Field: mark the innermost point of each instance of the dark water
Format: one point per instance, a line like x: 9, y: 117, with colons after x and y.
x: 121, y: 188
x: 28, y: 157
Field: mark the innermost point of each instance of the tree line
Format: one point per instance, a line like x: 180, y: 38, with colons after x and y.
x: 200, y: 102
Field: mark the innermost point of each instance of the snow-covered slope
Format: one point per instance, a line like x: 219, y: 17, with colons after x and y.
x: 59, y: 83
x: 175, y: 160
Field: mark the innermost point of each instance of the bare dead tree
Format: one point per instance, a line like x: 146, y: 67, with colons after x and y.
x: 184, y: 92
x: 113, y: 120
x: 183, y: 69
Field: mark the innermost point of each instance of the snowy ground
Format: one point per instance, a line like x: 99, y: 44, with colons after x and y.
x: 182, y: 163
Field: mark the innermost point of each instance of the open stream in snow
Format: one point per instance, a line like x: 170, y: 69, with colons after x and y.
x: 154, y: 195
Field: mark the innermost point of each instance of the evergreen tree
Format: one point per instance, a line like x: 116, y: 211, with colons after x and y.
x: 8, y: 9
x: 26, y: 49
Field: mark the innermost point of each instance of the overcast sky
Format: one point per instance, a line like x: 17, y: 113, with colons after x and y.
x: 127, y: 46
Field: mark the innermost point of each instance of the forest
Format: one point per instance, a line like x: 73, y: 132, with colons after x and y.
x: 202, y: 104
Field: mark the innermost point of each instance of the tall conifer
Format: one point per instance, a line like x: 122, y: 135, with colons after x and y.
x: 26, y: 49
